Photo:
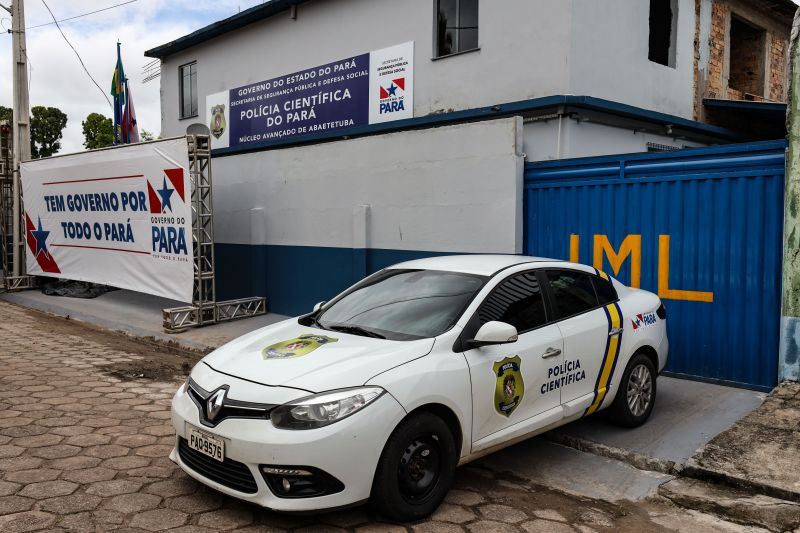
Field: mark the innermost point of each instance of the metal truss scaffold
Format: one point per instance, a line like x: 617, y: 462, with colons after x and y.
x: 10, y: 282
x: 205, y: 308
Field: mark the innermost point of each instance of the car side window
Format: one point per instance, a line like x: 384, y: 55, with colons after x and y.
x: 517, y: 301
x: 572, y: 292
x: 606, y: 292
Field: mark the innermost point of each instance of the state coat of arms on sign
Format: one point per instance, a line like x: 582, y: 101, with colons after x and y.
x: 217, y: 125
x: 509, y: 388
x: 298, y: 347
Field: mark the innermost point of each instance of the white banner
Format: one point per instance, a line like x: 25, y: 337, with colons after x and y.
x: 120, y: 217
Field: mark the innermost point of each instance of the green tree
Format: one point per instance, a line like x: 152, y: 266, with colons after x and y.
x: 98, y: 131
x: 6, y: 113
x: 47, y: 128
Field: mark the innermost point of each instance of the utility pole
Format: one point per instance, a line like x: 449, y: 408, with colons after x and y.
x: 21, y: 127
x: 790, y: 313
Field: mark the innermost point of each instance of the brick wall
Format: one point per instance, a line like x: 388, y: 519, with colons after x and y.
x: 779, y: 77
x: 717, y: 53
x: 698, y: 90
x: 777, y: 36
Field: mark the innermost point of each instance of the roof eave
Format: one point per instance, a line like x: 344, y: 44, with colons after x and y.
x: 221, y: 27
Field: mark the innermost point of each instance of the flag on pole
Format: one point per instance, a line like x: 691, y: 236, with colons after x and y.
x: 130, y: 130
x: 118, y: 92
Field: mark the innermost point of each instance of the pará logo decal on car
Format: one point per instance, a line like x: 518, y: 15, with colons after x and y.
x: 509, y: 388
x: 302, y: 345
x: 643, y: 320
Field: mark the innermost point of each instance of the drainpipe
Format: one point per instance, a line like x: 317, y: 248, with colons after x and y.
x: 790, y: 311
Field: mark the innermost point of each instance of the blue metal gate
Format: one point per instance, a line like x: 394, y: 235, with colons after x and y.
x: 700, y: 227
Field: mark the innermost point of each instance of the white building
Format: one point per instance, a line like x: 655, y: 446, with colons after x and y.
x: 487, y: 86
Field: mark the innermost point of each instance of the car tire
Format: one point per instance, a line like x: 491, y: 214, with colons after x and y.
x: 637, y: 393
x: 416, y: 468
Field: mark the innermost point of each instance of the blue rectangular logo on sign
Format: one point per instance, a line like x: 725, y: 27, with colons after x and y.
x: 355, y: 91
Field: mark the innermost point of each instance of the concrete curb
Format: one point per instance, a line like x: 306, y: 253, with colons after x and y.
x: 691, y: 470
x: 636, y: 460
x: 733, y: 504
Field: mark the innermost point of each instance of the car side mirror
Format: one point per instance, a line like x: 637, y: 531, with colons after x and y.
x: 494, y: 332
x: 319, y: 306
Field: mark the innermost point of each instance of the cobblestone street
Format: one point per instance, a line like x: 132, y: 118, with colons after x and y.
x: 83, y: 447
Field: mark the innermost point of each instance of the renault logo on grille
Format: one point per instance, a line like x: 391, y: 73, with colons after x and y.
x: 214, y: 404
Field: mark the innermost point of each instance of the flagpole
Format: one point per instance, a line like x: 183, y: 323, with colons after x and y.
x: 118, y: 91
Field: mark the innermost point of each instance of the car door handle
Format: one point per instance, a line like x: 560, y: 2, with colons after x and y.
x: 614, y: 331
x: 551, y: 352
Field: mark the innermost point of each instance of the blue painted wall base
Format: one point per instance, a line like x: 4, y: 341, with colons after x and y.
x: 294, y: 278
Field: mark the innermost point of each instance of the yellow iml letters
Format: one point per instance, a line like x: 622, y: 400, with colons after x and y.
x: 663, y: 278
x: 631, y: 247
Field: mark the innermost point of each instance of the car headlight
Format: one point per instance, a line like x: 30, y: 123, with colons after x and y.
x: 323, y: 409
x: 186, y: 383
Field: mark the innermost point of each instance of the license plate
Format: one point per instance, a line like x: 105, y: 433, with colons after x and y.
x: 207, y: 445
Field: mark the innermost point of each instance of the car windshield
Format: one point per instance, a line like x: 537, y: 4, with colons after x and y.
x: 402, y: 304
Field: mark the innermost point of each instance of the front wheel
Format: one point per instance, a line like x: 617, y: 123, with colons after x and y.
x: 416, y: 468
x: 637, y: 393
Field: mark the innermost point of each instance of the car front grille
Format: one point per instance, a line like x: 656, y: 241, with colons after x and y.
x: 232, y: 474
x: 230, y: 408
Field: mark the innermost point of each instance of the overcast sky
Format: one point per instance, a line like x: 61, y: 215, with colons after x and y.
x: 56, y: 76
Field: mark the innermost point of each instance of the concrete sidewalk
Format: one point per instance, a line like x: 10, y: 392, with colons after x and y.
x: 138, y: 315
x: 629, y: 464
x: 686, y: 416
x: 761, y: 452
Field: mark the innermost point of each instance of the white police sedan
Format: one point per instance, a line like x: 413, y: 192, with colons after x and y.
x: 379, y: 394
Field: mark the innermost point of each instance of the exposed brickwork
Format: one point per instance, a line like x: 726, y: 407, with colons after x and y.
x: 716, y: 57
x: 746, y: 69
x: 779, y: 77
x: 698, y: 90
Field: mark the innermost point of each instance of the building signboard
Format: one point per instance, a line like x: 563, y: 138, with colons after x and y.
x: 369, y: 88
x: 121, y: 217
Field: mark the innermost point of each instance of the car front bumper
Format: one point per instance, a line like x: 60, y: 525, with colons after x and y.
x: 348, y: 450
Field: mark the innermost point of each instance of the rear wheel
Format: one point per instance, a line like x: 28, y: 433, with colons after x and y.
x: 637, y: 393
x: 416, y: 468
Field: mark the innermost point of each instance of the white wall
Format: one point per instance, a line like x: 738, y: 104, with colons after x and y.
x: 610, y: 43
x: 449, y: 189
x: 523, y: 52
x: 528, y: 49
x: 588, y: 139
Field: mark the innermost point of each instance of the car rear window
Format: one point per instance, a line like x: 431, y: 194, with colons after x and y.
x: 573, y: 292
x: 606, y: 293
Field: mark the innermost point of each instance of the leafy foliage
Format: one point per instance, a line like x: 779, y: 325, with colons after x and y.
x: 98, y: 131
x: 47, y: 128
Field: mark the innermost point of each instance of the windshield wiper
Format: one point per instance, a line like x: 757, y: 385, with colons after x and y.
x: 356, y: 330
